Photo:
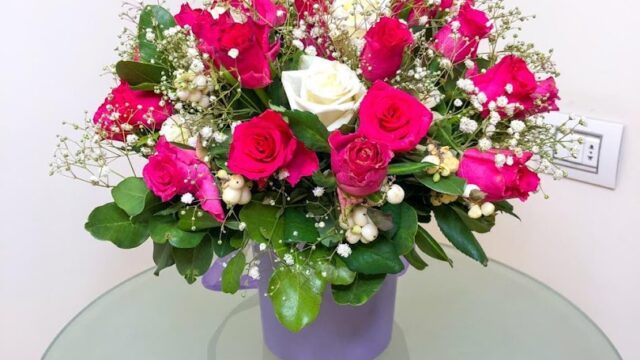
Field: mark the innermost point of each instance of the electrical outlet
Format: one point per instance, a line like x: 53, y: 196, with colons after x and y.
x: 596, y: 159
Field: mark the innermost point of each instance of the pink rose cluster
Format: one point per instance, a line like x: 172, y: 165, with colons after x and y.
x: 265, y: 145
x: 499, y: 182
x: 126, y: 110
x: 174, y: 171
x: 391, y: 121
x: 512, y: 80
x: 243, y: 48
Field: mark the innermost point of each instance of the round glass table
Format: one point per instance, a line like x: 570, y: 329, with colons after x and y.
x: 468, y: 312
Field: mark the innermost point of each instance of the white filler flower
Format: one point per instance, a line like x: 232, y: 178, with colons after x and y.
x: 326, y: 88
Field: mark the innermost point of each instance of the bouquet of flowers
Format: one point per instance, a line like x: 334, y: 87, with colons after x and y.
x: 317, y: 133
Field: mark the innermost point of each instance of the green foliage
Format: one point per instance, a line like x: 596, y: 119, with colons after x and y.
x: 158, y: 19
x: 111, y: 223
x: 327, y: 180
x: 140, y: 75
x: 405, y: 226
x: 482, y: 225
x: 193, y: 263
x: 162, y: 257
x: 133, y: 196
x: 378, y: 257
x: 506, y: 207
x: 223, y: 242
x: 451, y: 184
x: 308, y: 129
x: 261, y: 220
x: 296, y: 296
x: 195, y: 219
x: 455, y: 230
x: 430, y: 246
x: 415, y: 260
x: 359, y: 291
x: 165, y: 229
x: 298, y: 227
x: 232, y: 274
x: 409, y: 168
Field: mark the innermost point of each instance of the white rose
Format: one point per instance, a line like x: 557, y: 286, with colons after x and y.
x: 329, y: 89
x: 174, y: 130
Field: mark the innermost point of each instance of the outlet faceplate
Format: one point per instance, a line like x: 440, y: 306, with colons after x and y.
x: 596, y: 161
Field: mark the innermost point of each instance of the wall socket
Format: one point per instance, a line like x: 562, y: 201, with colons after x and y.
x: 596, y: 161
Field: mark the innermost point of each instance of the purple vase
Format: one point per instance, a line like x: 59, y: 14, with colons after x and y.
x: 340, y: 331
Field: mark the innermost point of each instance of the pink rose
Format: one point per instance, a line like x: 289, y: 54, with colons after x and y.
x: 384, y: 48
x: 124, y: 111
x: 393, y: 117
x: 545, y: 96
x: 242, y: 48
x: 499, y: 183
x: 360, y: 165
x: 511, y: 78
x: 265, y: 11
x: 462, y: 43
x: 175, y: 171
x: 421, y: 9
x: 265, y: 145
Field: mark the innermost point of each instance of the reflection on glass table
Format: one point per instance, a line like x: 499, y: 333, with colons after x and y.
x: 468, y: 312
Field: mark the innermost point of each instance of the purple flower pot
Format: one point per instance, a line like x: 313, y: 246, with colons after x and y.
x: 340, y: 332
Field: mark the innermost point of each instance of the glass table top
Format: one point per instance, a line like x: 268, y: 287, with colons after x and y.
x: 466, y: 312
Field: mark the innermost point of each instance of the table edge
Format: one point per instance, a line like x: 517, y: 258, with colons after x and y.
x: 491, y: 261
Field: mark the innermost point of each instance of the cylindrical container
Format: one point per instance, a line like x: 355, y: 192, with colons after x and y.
x: 340, y: 332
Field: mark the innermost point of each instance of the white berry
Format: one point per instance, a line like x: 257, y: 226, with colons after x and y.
x: 395, y: 195
x: 359, y: 216
x: 352, y: 238
x: 236, y: 182
x: 488, y: 209
x: 475, y: 212
x: 245, y: 197
x: 369, y: 232
x: 231, y: 196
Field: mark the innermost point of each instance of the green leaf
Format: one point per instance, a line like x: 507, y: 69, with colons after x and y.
x: 336, y: 271
x: 459, y: 234
x: 221, y: 246
x: 298, y: 227
x: 482, y: 225
x: 158, y: 19
x: 505, y: 207
x: 261, y: 219
x: 165, y: 229
x: 430, y: 246
x: 162, y: 257
x: 296, y: 296
x: 145, y: 87
x: 415, y: 260
x: 277, y: 95
x: 192, y: 263
x: 327, y: 180
x: 405, y: 226
x: 359, y: 291
x: 451, y: 184
x: 137, y: 74
x: 408, y: 168
x: 309, y: 129
x: 132, y: 195
x: 109, y: 222
x: 233, y: 272
x: 378, y: 257
x: 195, y: 219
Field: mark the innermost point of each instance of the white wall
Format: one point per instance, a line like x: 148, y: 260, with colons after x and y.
x: 582, y: 241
